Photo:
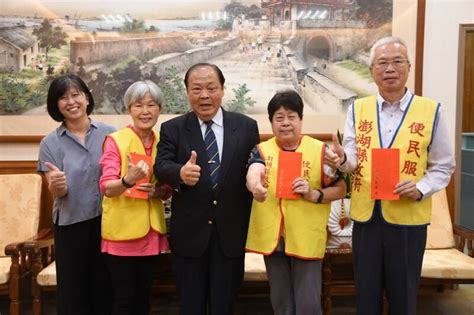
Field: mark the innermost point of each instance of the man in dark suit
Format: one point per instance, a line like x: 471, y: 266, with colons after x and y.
x: 211, y: 204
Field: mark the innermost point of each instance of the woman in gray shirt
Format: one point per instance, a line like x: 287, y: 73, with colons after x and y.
x: 69, y: 157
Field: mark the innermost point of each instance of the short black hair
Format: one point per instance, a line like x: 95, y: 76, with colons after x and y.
x: 59, y: 86
x: 287, y: 99
x: 216, y: 69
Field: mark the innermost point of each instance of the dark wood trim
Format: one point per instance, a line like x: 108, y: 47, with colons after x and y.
x: 464, y: 90
x: 420, y: 46
x: 18, y: 167
x: 319, y: 136
x: 37, y: 138
x: 20, y: 139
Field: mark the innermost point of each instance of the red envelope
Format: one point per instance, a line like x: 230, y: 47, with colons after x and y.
x: 289, y: 168
x: 385, y: 173
x: 134, y: 192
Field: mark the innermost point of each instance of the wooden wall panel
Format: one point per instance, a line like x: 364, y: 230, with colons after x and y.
x: 468, y: 89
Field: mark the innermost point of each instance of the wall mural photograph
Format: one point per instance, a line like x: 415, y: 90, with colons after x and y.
x: 318, y: 47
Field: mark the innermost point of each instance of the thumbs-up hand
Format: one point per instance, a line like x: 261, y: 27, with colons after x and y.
x: 256, y: 181
x: 190, y: 171
x: 335, y: 154
x: 136, y: 171
x: 260, y: 191
x: 57, y: 182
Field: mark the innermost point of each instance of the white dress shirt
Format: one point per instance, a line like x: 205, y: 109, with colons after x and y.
x: 218, y: 128
x: 441, y: 162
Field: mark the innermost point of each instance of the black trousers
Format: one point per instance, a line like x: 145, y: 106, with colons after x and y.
x: 82, y: 280
x: 131, y: 281
x: 387, y: 258
x: 208, y: 284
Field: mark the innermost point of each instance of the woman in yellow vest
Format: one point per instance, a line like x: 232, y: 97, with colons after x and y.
x: 133, y: 223
x: 291, y: 233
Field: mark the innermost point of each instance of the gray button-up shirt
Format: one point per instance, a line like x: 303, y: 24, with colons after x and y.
x: 80, y: 163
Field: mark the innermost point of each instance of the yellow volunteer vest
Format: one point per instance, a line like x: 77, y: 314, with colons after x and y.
x: 125, y: 218
x: 304, y: 221
x: 412, y: 138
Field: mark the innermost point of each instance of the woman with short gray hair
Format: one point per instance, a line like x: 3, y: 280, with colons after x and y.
x: 133, y: 224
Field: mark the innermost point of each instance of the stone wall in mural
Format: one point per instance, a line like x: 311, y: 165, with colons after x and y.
x: 319, y: 48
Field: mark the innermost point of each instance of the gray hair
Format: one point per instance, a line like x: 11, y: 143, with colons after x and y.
x: 138, y: 90
x: 384, y: 41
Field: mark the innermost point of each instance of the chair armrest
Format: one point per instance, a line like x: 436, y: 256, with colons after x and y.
x: 14, y: 249
x: 43, y: 239
x: 40, y: 249
x: 464, y: 236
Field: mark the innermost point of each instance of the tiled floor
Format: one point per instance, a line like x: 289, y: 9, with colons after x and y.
x: 431, y: 302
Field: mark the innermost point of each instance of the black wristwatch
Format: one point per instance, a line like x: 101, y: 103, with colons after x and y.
x: 125, y: 184
x: 321, y: 196
x: 345, y: 159
x: 421, y: 196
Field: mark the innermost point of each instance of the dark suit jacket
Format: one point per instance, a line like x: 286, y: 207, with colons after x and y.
x: 194, y: 206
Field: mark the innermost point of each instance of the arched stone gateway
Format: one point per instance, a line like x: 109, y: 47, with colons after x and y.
x: 321, y: 47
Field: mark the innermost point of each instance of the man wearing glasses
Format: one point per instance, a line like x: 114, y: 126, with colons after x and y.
x: 389, y: 236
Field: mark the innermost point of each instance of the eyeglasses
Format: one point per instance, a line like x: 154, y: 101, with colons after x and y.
x: 396, y: 63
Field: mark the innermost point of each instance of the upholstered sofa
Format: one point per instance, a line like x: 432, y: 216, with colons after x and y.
x: 445, y: 261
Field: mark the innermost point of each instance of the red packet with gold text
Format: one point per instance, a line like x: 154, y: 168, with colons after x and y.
x: 289, y: 168
x: 385, y: 173
x: 134, y: 192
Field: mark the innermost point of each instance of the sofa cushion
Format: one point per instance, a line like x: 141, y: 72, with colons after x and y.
x: 447, y: 264
x: 440, y: 231
x: 47, y: 276
x: 255, y: 267
x: 5, y: 263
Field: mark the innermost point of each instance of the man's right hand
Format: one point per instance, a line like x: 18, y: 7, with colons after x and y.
x: 190, y: 171
x: 335, y: 154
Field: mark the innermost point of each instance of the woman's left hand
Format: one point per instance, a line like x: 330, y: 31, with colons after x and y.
x: 148, y: 187
x: 301, y: 186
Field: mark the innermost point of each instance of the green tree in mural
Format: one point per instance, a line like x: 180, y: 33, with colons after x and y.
x: 36, y: 98
x: 97, y: 88
x: 135, y: 26
x: 49, y: 36
x: 12, y: 94
x: 81, y: 71
x: 255, y: 12
x: 235, y: 9
x: 174, y: 92
x: 120, y: 80
x: 375, y: 12
x: 240, y: 103
x: 222, y: 25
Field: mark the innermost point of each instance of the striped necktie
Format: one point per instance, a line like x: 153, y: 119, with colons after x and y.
x: 212, y: 153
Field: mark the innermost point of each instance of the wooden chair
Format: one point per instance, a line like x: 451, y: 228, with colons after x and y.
x: 43, y: 267
x: 19, y: 218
